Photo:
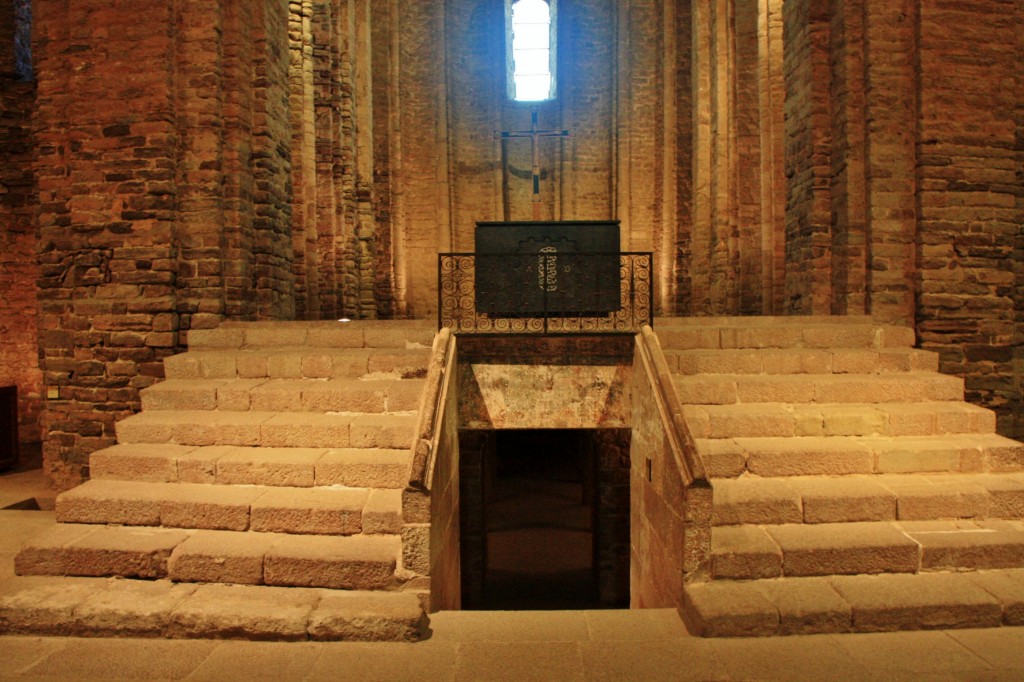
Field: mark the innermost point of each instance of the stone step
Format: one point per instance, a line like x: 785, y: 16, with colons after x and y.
x: 802, y: 361
x: 779, y: 332
x: 317, y: 511
x: 358, y: 562
x: 729, y: 389
x: 837, y: 419
x: 298, y: 363
x: 325, y: 334
x: 232, y: 465
x: 792, y: 550
x: 841, y: 455
x: 285, y: 395
x: 110, y: 607
x: 862, y: 603
x: 269, y: 429
x: 903, y: 497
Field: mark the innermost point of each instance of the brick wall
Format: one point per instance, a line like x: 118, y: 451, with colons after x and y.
x: 19, y: 362
x: 969, y: 178
x: 206, y: 160
x: 163, y: 175
x: 807, y: 159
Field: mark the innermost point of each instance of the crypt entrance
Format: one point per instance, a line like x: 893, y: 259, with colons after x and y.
x: 543, y: 452
x: 544, y: 518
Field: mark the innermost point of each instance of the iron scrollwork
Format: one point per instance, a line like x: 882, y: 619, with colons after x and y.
x: 545, y: 293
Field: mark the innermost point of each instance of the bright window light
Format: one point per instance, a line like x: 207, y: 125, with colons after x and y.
x: 532, y: 53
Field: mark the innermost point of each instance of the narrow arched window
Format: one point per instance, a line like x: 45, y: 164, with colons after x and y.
x: 530, y: 38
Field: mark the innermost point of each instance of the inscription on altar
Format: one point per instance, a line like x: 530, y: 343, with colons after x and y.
x: 568, y: 268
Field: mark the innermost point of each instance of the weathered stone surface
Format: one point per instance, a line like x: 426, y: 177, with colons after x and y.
x: 243, y: 612
x: 974, y: 548
x: 130, y: 608
x: 44, y: 605
x: 292, y: 467
x: 924, y: 601
x: 744, y: 552
x: 318, y: 511
x: 846, y: 499
x: 351, y: 563
x: 211, y: 556
x: 729, y: 610
x: 756, y: 501
x: 100, y: 551
x: 364, y: 468
x: 367, y: 616
x: 837, y: 549
x: 807, y: 605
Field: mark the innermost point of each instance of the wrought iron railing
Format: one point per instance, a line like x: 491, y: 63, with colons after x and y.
x: 545, y: 292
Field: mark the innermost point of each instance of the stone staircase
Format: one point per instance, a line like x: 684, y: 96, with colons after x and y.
x: 258, y: 494
x: 854, y: 490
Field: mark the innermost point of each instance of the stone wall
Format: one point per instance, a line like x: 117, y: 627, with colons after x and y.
x: 553, y: 383
x: 19, y: 361
x: 970, y: 189
x: 670, y: 526
x: 163, y: 176
x: 904, y: 184
x: 198, y: 161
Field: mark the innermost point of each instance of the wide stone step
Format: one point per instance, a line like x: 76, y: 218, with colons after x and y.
x: 285, y: 395
x: 792, y: 550
x: 863, y: 603
x: 908, y: 497
x: 324, y: 334
x: 779, y: 332
x: 360, y: 562
x: 298, y: 363
x: 265, y: 466
x: 269, y: 429
x: 729, y: 389
x: 841, y: 455
x: 837, y: 419
x: 802, y: 361
x: 319, y: 511
x: 100, y: 607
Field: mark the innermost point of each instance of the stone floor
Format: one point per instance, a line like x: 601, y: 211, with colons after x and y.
x: 520, y: 646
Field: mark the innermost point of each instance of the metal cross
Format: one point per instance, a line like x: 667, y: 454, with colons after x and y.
x: 534, y: 134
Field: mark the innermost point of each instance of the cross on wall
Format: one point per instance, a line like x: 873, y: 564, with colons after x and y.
x: 534, y: 133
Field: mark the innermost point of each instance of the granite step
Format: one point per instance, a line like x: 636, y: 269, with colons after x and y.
x: 318, y: 511
x: 774, y: 361
x: 269, y: 429
x: 285, y: 395
x: 837, y: 419
x: 841, y: 455
x: 324, y: 334
x: 106, y: 607
x: 358, y: 562
x: 903, y: 497
x: 729, y: 389
x: 267, y: 466
x: 751, y: 552
x: 861, y: 603
x: 779, y: 332
x: 298, y: 363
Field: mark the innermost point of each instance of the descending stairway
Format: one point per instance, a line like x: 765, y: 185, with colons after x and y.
x: 854, y: 490
x: 258, y: 493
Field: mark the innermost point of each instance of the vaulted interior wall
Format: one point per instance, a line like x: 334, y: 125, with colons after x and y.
x: 196, y: 161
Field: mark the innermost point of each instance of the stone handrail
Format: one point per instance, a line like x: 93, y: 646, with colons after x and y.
x: 690, y: 464
x: 427, y: 428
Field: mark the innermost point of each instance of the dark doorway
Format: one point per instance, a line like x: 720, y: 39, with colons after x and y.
x: 534, y: 535
x: 539, y: 523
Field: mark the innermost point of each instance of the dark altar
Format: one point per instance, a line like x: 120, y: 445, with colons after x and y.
x: 564, y: 268
x: 532, y: 277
